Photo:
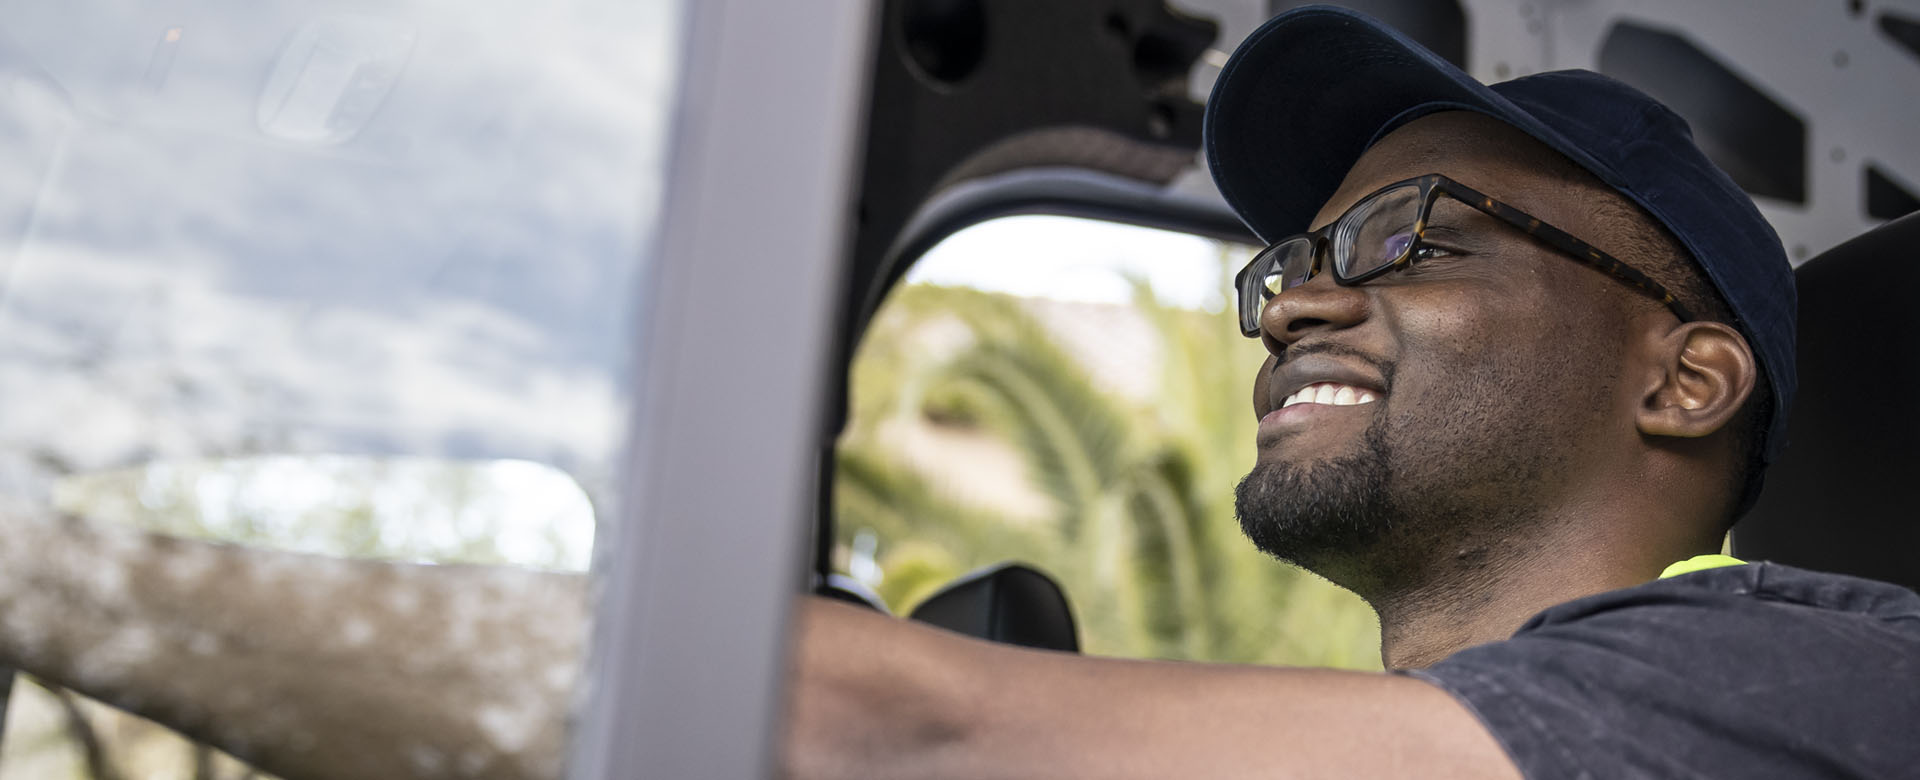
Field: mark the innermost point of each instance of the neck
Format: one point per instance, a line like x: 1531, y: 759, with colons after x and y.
x: 1421, y: 626
x: 1472, y: 590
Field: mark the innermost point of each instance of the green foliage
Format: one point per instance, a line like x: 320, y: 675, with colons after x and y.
x: 1140, y: 528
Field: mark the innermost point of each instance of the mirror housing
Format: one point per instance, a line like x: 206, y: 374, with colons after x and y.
x: 1010, y: 602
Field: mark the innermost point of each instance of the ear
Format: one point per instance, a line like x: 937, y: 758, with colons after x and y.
x: 1701, y: 374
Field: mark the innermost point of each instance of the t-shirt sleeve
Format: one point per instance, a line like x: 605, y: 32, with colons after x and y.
x: 1676, y: 682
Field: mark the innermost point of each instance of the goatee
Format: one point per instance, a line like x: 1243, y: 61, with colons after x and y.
x: 1313, y: 513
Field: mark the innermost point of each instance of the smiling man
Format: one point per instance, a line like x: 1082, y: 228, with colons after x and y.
x: 1465, y: 405
x: 1530, y: 353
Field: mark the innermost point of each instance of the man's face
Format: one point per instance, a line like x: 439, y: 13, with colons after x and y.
x: 1467, y: 393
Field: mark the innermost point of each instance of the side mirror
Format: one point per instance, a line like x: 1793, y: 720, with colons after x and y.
x: 1010, y: 603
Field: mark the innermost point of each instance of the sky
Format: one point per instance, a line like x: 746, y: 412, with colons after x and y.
x: 1075, y: 259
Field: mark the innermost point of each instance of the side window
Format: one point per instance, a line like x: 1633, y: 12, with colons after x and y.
x: 344, y: 279
x: 1073, y: 395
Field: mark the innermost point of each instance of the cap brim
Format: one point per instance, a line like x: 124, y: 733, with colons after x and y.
x: 1307, y: 93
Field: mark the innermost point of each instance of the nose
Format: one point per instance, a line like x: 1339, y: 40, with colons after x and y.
x: 1318, y: 306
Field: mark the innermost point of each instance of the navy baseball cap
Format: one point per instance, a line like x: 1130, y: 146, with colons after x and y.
x: 1314, y: 87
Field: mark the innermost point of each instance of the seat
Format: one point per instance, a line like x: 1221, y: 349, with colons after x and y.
x: 1842, y: 497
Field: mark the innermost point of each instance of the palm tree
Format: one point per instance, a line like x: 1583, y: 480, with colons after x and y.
x: 1142, y: 526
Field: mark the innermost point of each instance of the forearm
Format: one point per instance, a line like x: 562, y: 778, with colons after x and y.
x: 870, y: 696
x: 308, y: 667
x: 876, y: 697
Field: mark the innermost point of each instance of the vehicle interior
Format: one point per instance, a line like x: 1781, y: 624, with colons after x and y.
x: 524, y: 314
x: 1145, y: 108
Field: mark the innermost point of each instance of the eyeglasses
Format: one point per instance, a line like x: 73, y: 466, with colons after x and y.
x: 1384, y: 232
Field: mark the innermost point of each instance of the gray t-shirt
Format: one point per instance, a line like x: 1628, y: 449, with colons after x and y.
x: 1753, y: 671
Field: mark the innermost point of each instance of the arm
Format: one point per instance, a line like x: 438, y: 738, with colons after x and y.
x: 875, y: 697
x: 308, y: 667
x: 319, y: 668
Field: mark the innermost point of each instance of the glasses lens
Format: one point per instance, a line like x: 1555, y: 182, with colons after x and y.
x: 1280, y: 267
x: 1292, y: 266
x: 1377, y: 232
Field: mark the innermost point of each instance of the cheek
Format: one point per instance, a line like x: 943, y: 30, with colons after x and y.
x: 1584, y: 337
x: 1482, y: 360
x: 1544, y: 310
x: 1441, y: 330
x: 1260, y: 398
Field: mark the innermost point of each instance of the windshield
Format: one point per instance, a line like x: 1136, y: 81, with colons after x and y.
x: 346, y: 278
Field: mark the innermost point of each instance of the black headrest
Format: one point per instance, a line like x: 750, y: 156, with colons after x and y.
x: 1842, y: 496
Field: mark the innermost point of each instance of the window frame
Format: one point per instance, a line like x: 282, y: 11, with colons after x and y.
x: 698, y: 575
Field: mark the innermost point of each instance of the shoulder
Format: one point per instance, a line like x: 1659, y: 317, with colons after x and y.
x: 1753, y: 584
x: 1736, y: 616
x: 1755, y: 670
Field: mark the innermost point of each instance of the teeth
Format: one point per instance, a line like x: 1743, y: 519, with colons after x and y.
x: 1330, y: 394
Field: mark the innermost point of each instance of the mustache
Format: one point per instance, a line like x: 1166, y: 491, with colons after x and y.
x: 1383, y: 367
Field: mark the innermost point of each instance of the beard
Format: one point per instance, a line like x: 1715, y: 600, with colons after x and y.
x: 1414, y: 498
x: 1313, y: 513
x: 1452, y: 476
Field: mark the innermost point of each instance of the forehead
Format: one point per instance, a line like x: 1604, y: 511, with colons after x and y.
x: 1480, y: 152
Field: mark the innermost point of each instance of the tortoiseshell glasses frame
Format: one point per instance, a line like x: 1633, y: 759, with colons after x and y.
x: 1292, y: 261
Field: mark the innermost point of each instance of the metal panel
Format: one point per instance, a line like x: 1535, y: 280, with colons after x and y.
x: 699, y: 575
x: 1851, y: 84
x: 1833, y: 64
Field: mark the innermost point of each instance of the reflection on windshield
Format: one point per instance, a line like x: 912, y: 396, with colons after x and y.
x: 339, y: 277
x: 426, y: 510
x: 235, y: 228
